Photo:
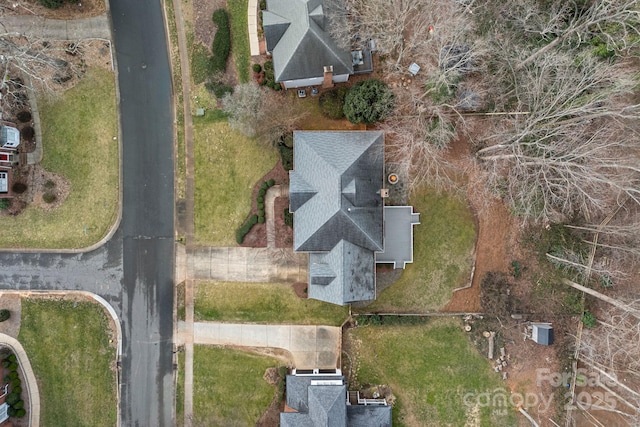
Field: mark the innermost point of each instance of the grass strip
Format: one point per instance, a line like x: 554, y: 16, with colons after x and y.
x: 262, y: 303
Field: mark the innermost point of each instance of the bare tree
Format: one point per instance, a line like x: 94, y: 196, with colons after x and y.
x: 576, y: 149
x: 33, y: 59
x: 612, y: 350
x: 616, y: 22
x: 261, y: 113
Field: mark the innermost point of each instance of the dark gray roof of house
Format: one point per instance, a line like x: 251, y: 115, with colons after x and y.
x: 344, y: 275
x: 398, y: 235
x: 334, y: 193
x: 335, y: 189
x: 369, y: 416
x: 317, y: 405
x: 295, y: 34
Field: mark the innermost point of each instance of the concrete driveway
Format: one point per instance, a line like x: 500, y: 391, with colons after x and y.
x: 311, y: 346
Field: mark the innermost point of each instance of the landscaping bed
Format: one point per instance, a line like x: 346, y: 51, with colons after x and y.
x: 257, y: 236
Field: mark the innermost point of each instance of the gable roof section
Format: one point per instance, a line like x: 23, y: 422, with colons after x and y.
x: 316, y: 404
x: 345, y: 274
x: 295, y: 35
x: 334, y: 190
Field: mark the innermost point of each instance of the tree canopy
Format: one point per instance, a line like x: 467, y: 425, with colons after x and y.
x: 368, y: 101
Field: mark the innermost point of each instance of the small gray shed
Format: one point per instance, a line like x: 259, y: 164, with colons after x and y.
x: 542, y: 333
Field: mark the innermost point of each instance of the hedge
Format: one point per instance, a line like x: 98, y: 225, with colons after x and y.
x: 245, y: 228
x: 288, y: 217
x: 221, y: 41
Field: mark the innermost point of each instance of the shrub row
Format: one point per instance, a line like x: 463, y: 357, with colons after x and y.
x: 245, y: 228
x: 260, y: 199
x: 16, y: 405
x: 288, y: 217
x: 221, y: 41
x: 269, y: 77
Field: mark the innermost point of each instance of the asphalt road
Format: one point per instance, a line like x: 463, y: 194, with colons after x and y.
x: 134, y: 270
x: 148, y: 203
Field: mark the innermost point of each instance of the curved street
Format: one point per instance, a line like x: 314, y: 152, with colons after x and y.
x: 134, y: 270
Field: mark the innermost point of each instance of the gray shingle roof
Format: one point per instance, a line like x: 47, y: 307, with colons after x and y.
x: 335, y: 196
x: 335, y: 189
x: 323, y: 405
x: 326, y: 405
x: 344, y: 275
x: 398, y: 235
x: 295, y: 34
x: 369, y: 416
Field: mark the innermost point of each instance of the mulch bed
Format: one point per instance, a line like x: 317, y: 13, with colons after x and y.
x: 257, y: 237
x: 300, y: 288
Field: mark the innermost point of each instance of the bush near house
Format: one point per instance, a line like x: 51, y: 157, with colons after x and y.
x: 368, y: 101
x: 221, y: 41
x: 4, y: 315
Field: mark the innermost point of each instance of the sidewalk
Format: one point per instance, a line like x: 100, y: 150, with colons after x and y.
x: 76, y: 29
x: 311, y: 346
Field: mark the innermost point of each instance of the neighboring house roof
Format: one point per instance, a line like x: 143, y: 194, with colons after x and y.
x: 321, y: 401
x: 398, y: 236
x: 335, y: 195
x: 369, y: 416
x: 295, y: 33
x: 9, y: 136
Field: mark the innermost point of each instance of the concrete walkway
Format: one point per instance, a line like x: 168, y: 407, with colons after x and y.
x: 252, y: 21
x: 77, y: 29
x: 311, y: 346
x: 30, y: 383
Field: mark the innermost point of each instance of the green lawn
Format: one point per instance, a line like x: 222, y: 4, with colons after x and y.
x: 78, y: 130
x: 180, y: 391
x: 68, y: 345
x: 315, y: 120
x: 442, y: 256
x: 228, y: 387
x: 227, y: 166
x: 240, y: 37
x: 430, y: 369
x: 262, y: 302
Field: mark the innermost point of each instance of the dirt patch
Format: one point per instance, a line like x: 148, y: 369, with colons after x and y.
x: 203, y: 27
x: 498, y: 239
x: 301, y: 288
x: 13, y: 303
x: 69, y: 10
x: 284, y: 233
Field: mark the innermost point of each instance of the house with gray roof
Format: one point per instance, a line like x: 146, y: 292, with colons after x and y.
x: 336, y: 193
x: 321, y: 400
x: 304, y: 54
